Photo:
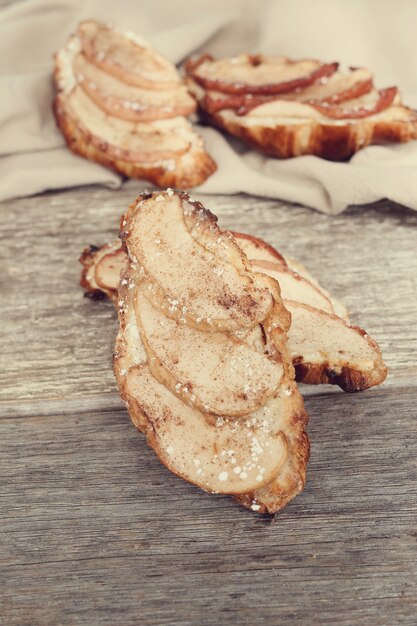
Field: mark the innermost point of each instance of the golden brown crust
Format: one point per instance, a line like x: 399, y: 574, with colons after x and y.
x: 329, y: 141
x: 348, y: 379
x: 190, y: 169
x: 108, y: 261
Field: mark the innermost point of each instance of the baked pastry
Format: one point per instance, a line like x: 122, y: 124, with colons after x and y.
x: 123, y: 105
x: 202, y: 364
x: 325, y: 347
x: 289, y: 108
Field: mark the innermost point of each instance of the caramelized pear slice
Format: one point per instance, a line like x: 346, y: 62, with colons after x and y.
x: 130, y: 103
x: 257, y: 249
x: 109, y: 268
x: 326, y: 349
x: 225, y: 456
x: 212, y: 371
x: 196, y: 271
x: 336, y: 89
x: 127, y: 57
x: 339, y: 308
x: 293, y: 286
x: 134, y: 142
x: 257, y: 74
x: 339, y: 87
x: 291, y: 478
x: 364, y: 106
x: 91, y: 259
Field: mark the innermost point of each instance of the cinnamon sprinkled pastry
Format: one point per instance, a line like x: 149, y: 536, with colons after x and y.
x: 123, y: 105
x: 289, y: 108
x: 325, y: 347
x: 201, y: 357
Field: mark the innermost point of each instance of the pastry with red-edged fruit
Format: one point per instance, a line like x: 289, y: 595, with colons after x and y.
x: 289, y: 108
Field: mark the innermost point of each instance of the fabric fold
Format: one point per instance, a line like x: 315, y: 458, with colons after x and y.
x: 33, y: 154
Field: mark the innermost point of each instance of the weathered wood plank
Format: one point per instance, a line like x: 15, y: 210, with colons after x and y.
x: 96, y: 531
x: 57, y: 345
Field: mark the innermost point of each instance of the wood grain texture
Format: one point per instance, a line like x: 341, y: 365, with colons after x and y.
x: 96, y: 531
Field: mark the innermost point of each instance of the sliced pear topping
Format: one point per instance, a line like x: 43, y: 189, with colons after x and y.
x: 326, y: 349
x: 227, y: 456
x: 218, y: 407
x: 338, y: 307
x: 109, y: 268
x: 257, y: 74
x: 257, y: 249
x: 127, y: 102
x: 293, y: 286
x: 126, y: 57
x: 290, y: 412
x: 215, y: 294
x: 134, y: 141
x: 212, y: 371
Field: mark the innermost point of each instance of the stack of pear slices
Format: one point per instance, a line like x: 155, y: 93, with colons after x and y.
x: 210, y: 326
x: 124, y: 105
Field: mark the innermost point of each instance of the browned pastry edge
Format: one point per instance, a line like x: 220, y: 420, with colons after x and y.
x: 348, y: 379
x: 184, y: 175
x: 87, y: 259
x: 329, y: 141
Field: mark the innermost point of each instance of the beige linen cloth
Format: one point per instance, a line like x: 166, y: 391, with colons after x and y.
x: 378, y: 34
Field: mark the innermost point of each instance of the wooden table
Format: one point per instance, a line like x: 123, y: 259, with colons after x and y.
x: 96, y: 531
